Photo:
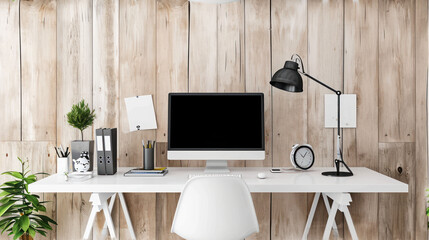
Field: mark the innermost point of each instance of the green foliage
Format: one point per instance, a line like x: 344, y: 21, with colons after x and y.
x: 19, y: 209
x: 427, y: 208
x: 81, y: 116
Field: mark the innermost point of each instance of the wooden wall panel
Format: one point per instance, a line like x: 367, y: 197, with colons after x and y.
x: 397, y: 211
x: 421, y: 117
x: 74, y: 82
x: 108, y: 50
x: 42, y: 158
x: 288, y: 38
x: 203, y: 63
x: 9, y: 152
x: 172, y: 57
x: 38, y: 58
x: 106, y: 81
x: 360, y: 78
x: 137, y: 67
x: 396, y: 76
x: 230, y: 52
x: 10, y: 76
x: 257, y: 53
x: 172, y: 76
x: 325, y: 62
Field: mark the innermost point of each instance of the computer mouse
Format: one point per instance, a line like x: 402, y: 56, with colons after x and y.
x: 262, y: 175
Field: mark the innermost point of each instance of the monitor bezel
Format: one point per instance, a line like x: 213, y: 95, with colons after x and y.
x: 261, y: 95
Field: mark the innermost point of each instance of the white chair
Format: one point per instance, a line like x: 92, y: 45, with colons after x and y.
x: 214, y: 208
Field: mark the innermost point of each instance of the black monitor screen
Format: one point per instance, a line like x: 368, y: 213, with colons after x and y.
x: 216, y: 121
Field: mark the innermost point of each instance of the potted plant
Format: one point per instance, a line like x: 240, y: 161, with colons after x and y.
x: 19, y: 210
x: 81, y: 117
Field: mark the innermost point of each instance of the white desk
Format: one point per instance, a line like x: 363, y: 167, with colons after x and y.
x: 338, y: 189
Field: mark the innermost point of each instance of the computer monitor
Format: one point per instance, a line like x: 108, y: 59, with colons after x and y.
x: 216, y: 127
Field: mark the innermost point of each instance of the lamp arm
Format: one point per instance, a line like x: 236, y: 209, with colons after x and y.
x: 339, y: 158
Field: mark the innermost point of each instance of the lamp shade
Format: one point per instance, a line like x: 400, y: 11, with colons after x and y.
x: 288, y: 78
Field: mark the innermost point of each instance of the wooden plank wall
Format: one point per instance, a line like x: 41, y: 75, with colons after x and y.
x: 54, y: 53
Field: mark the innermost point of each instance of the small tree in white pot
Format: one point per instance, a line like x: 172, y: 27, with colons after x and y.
x: 81, y: 117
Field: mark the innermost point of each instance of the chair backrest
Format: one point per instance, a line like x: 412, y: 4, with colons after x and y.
x: 212, y: 207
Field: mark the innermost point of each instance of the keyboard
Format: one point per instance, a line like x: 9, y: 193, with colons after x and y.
x: 215, y: 175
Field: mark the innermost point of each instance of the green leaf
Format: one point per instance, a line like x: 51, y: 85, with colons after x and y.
x: 5, y: 220
x: 43, y: 224
x: 20, y: 233
x: 7, y: 226
x: 41, y: 232
x: 16, y: 228
x: 32, y: 232
x: 5, y: 207
x: 4, y: 193
x: 14, y: 174
x: 24, y: 221
x: 32, y: 199
x: 46, y: 218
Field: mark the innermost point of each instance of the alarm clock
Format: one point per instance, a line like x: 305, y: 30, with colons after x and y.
x: 302, y: 156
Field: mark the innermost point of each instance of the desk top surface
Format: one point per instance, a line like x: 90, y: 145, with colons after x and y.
x: 363, y: 181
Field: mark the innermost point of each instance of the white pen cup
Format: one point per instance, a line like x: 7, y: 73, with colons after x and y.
x: 62, y: 165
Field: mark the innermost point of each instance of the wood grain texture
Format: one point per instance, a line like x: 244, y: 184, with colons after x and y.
x: 42, y: 158
x: 288, y: 37
x: 10, y: 76
x: 396, y: 214
x: 203, y: 64
x: 38, y: 58
x: 257, y: 53
x: 230, y: 52
x: 9, y: 152
x: 104, y: 51
x: 172, y: 57
x: 106, y: 82
x: 421, y: 117
x: 74, y: 82
x: 137, y: 67
x: 397, y: 102
x: 325, y: 62
x: 360, y: 74
x: 165, y: 202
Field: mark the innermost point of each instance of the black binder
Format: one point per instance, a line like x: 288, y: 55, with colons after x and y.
x: 101, y: 163
x: 110, y: 150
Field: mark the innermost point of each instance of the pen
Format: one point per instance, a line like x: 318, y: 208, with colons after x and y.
x: 153, y: 144
x: 148, y: 143
x: 57, y: 152
x: 67, y: 152
x: 143, y: 143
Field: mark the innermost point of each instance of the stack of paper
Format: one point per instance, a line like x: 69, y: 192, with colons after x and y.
x: 140, y: 172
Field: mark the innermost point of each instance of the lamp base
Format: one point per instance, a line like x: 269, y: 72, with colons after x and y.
x: 337, y: 174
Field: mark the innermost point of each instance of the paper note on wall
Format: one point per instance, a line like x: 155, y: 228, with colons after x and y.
x: 141, y: 113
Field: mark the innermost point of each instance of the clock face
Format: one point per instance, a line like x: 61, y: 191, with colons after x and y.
x: 304, y: 157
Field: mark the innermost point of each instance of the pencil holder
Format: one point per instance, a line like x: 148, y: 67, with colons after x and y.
x: 62, y: 165
x: 148, y: 158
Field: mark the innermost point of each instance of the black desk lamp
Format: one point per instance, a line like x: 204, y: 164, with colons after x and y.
x: 289, y: 79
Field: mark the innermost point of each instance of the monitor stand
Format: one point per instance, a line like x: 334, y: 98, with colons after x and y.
x: 216, y: 166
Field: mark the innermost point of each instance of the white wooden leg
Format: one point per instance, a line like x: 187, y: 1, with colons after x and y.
x: 343, y: 200
x: 331, y: 219
x: 111, y: 204
x: 350, y: 223
x: 109, y: 220
x: 310, y: 216
x: 127, y: 216
x: 90, y: 222
x: 325, y: 199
